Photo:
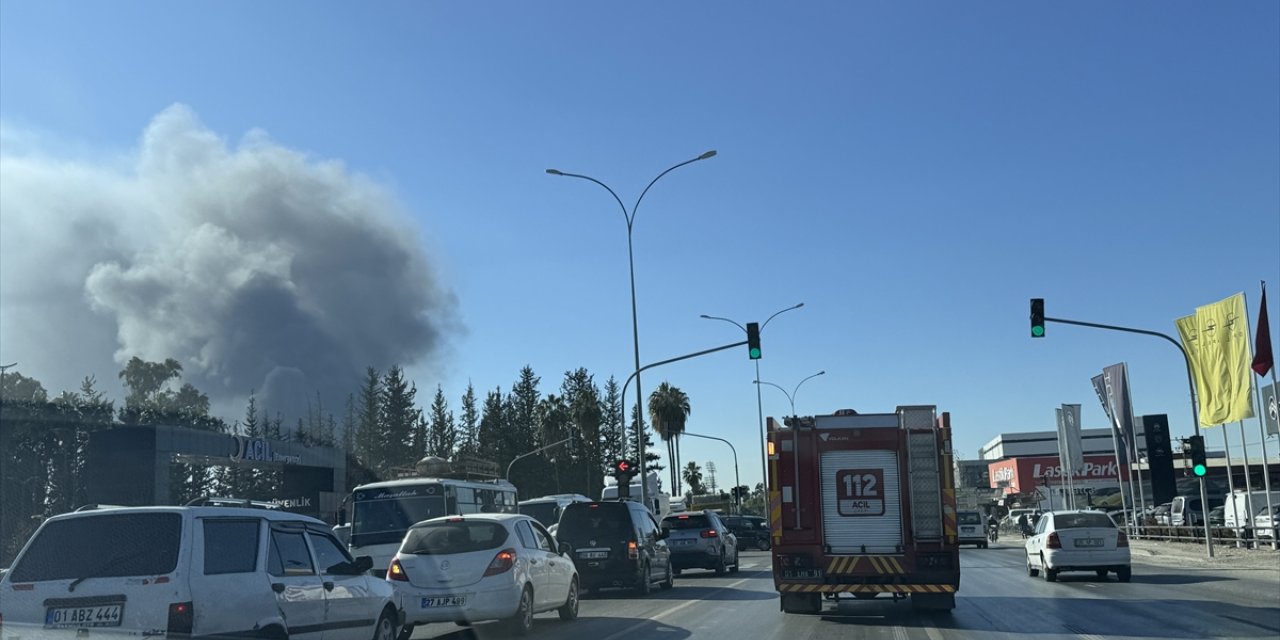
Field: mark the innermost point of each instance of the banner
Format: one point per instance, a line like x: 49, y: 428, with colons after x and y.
x: 1270, y: 409
x: 1100, y: 387
x: 1262, y: 360
x: 1225, y: 355
x: 1071, y: 418
x: 1064, y: 450
x: 1116, y: 380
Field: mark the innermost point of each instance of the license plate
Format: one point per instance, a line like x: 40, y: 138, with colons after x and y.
x: 105, y: 615
x: 444, y: 601
x: 686, y: 543
x: 1088, y: 542
x: 593, y: 555
x: 802, y: 574
x: 967, y: 529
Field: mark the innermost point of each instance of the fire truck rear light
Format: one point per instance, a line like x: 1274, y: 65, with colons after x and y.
x: 709, y: 533
x: 772, y: 450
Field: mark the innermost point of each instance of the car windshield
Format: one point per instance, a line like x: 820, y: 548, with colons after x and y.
x: 1082, y: 521
x: 442, y: 538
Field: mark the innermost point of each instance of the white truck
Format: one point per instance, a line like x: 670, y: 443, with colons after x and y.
x: 659, y: 502
x: 1242, y: 507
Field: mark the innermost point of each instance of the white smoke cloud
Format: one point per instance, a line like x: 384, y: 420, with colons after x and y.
x: 256, y: 267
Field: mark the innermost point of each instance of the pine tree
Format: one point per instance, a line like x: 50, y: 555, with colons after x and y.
x: 469, y: 425
x: 613, y: 440
x: 493, y: 424
x: 368, y: 439
x: 443, y: 434
x: 399, y: 417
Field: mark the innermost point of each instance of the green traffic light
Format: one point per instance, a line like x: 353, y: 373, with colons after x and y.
x: 1037, y: 331
x: 1199, y: 470
x: 755, y: 354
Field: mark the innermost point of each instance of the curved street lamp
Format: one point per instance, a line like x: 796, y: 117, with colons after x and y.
x: 635, y: 328
x: 790, y: 396
x: 737, y: 482
x: 764, y: 459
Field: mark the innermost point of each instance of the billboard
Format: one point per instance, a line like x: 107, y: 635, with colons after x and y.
x: 1023, y: 475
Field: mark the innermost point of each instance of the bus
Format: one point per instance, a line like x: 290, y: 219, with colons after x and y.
x: 381, y: 512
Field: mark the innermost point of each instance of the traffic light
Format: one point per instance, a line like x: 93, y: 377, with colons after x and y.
x: 753, y: 340
x: 1037, y: 317
x: 623, y: 468
x: 1198, y: 465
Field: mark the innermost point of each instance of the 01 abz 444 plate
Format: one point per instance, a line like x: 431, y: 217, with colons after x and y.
x: 102, y: 615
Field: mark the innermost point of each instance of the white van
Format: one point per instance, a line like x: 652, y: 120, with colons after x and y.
x: 1186, y: 511
x: 193, y: 571
x: 1247, y: 506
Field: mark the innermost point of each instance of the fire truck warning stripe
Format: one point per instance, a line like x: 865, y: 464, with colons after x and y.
x: 849, y: 564
x: 866, y: 588
x: 896, y: 566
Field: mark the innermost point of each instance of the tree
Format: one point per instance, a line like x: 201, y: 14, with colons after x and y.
x: 15, y: 387
x: 368, y: 439
x: 469, y: 423
x: 443, y: 434
x: 668, y: 412
x: 399, y: 418
x: 585, y: 417
x: 613, y: 443
x: 693, y: 476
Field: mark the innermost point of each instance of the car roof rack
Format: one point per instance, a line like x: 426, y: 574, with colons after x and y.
x: 216, y: 501
x: 95, y: 507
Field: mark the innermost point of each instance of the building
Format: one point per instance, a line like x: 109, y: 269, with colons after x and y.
x: 1045, y: 443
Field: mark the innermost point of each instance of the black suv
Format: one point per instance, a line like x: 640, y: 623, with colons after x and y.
x: 752, y: 531
x: 616, y: 544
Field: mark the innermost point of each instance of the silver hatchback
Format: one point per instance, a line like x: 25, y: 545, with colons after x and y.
x: 700, y: 539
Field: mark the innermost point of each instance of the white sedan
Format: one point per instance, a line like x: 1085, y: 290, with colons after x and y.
x: 1077, y: 541
x: 492, y: 566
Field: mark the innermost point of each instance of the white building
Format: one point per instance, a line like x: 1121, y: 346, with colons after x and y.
x: 1045, y: 443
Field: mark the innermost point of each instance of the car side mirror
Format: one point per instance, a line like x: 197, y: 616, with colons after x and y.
x: 363, y: 564
x: 566, y: 548
x: 663, y: 534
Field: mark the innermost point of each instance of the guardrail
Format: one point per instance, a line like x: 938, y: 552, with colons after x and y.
x: 1246, y: 537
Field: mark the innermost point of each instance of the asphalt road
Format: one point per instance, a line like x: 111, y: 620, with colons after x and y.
x: 997, y: 600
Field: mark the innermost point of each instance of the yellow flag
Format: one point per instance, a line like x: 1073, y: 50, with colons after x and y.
x: 1224, y: 356
x: 1191, y: 343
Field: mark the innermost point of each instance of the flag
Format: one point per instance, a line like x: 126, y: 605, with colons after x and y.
x: 1190, y: 334
x: 1064, y: 450
x: 1271, y: 409
x: 1116, y: 381
x: 1227, y: 395
x: 1071, y: 418
x: 1262, y: 358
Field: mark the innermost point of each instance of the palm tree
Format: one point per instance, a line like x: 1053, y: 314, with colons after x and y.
x: 668, y: 412
x: 693, y: 475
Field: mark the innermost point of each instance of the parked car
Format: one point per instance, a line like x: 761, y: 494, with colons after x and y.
x: 698, y: 539
x: 973, y: 528
x: 616, y: 544
x: 1160, y: 515
x: 224, y: 571
x: 1077, y: 540
x: 1267, y: 522
x: 1188, y: 510
x: 752, y: 532
x: 484, y: 566
x: 1216, y: 518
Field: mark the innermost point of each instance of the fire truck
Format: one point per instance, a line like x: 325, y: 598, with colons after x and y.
x: 862, y: 505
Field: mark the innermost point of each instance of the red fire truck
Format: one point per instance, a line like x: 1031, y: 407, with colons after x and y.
x: 862, y: 505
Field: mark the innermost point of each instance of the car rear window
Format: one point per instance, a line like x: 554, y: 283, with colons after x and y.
x: 441, y: 538
x: 603, y: 521
x: 1082, y: 521
x: 102, y: 546
x: 686, y: 522
x: 969, y: 518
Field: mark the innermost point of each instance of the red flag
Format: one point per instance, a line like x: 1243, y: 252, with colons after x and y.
x: 1262, y: 360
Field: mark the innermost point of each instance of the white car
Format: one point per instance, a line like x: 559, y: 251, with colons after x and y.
x: 1078, y: 540
x: 209, y: 571
x: 490, y: 566
x: 1266, y: 523
x: 972, y: 528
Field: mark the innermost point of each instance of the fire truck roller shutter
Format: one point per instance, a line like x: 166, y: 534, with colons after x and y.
x: 857, y: 512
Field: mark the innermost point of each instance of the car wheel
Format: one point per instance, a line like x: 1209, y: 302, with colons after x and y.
x: 1031, y: 570
x: 736, y: 562
x: 1124, y: 573
x: 670, y: 581
x: 720, y: 566
x: 569, y: 610
x: 762, y: 544
x: 645, y: 587
x: 1102, y: 573
x: 405, y: 632
x: 386, y: 627
x: 1050, y: 575
x: 521, y: 624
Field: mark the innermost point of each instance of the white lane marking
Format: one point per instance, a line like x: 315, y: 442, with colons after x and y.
x: 900, y: 634
x: 666, y: 613
x: 933, y: 634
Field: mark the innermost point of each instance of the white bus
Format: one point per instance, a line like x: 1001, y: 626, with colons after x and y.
x: 381, y: 512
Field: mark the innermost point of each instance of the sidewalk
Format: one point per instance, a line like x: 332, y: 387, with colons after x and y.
x: 1188, y: 553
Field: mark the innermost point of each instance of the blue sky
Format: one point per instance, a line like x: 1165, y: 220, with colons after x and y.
x: 913, y: 173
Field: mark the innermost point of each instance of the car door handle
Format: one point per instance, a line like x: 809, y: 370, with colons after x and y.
x: 328, y: 585
x: 277, y: 587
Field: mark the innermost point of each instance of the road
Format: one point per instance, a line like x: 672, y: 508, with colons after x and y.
x: 997, y: 600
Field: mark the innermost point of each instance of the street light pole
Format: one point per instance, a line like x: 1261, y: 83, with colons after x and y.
x: 764, y: 458
x: 791, y: 397
x: 737, y: 481
x: 635, y: 326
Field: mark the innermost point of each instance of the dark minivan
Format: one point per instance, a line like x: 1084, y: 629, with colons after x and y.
x: 616, y: 544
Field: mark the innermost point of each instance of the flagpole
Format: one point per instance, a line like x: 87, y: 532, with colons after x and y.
x: 1142, y: 494
x: 1248, y: 483
x: 1231, y: 484
x: 1135, y: 517
x: 1262, y: 426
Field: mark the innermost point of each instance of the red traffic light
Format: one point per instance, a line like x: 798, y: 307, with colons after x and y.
x: 624, y: 466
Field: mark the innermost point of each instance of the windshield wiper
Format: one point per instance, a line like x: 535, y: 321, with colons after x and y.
x: 99, y: 572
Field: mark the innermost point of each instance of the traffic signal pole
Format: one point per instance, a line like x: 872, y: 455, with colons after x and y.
x: 1195, y: 415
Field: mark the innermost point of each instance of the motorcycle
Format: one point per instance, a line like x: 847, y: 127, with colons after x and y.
x: 993, y: 533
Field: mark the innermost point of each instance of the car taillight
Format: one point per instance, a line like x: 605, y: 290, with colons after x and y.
x: 633, y: 550
x: 1122, y: 540
x: 1054, y: 542
x: 709, y: 533
x: 182, y: 615
x: 501, y: 562
x: 396, y: 571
